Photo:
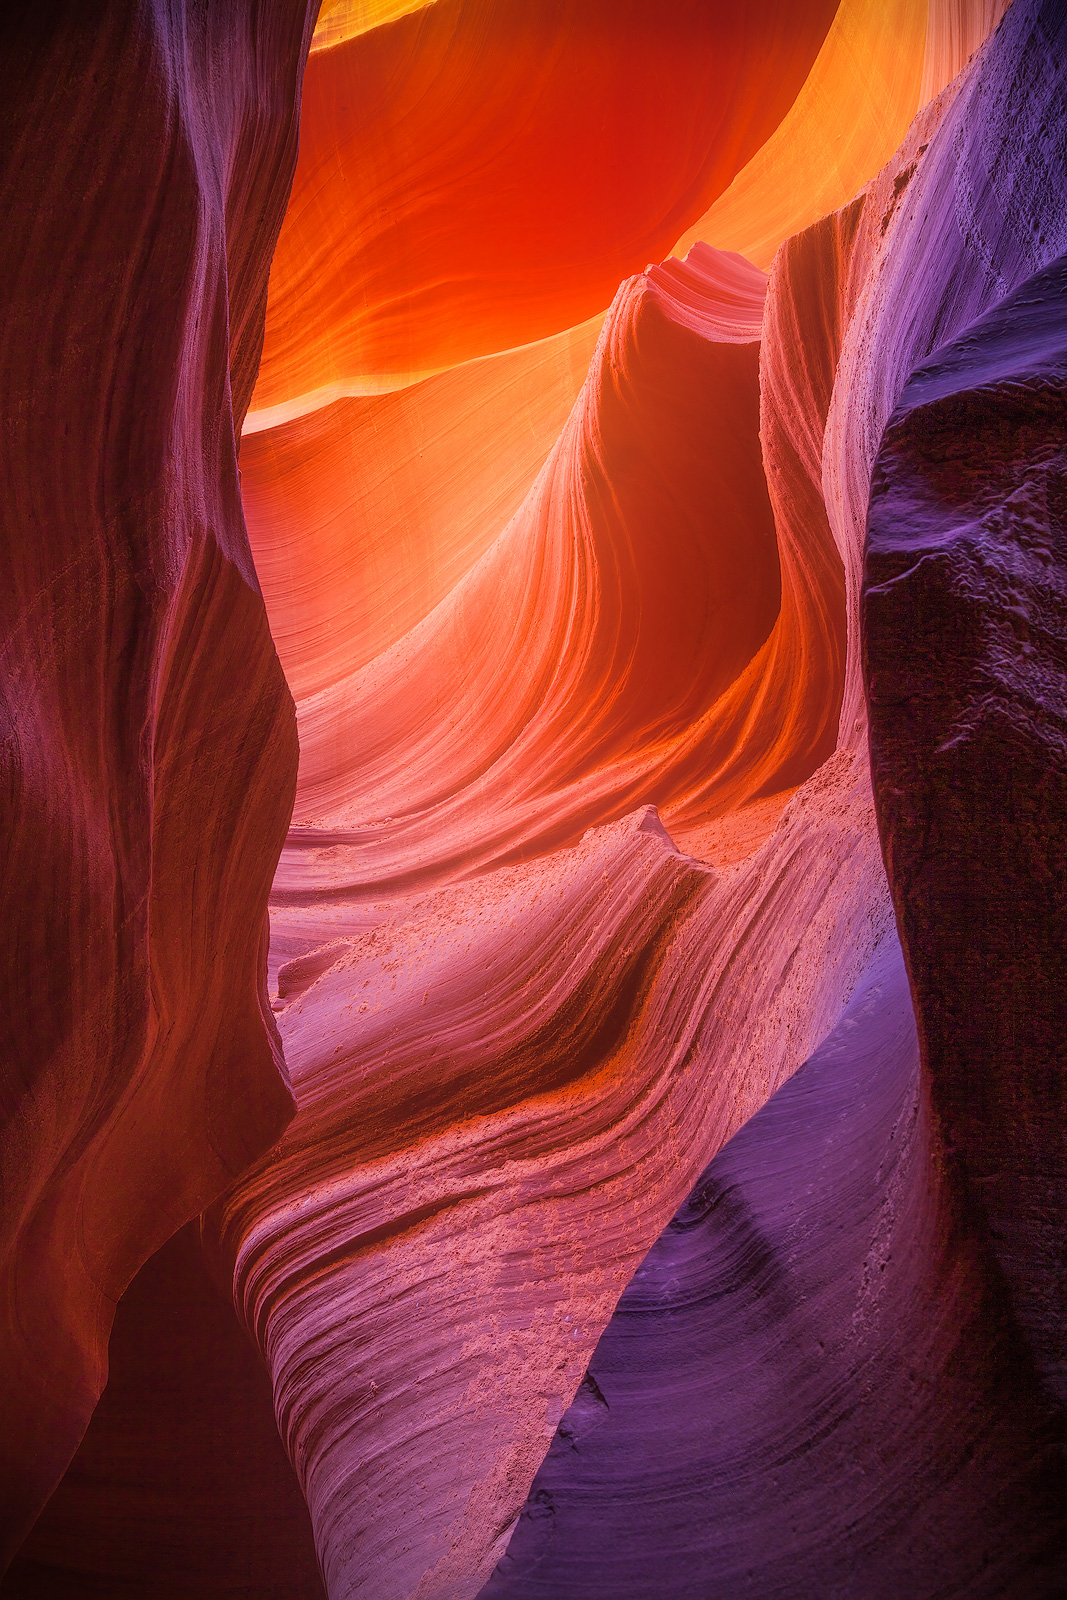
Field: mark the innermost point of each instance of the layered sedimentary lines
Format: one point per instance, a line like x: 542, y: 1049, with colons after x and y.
x: 954, y: 1240
x: 585, y: 662
x: 140, y: 686
x: 508, y: 1084
x: 815, y: 1314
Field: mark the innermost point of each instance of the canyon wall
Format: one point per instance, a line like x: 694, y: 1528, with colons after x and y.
x: 149, y: 744
x: 637, y: 1156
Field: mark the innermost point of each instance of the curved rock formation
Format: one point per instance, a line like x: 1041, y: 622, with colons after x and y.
x: 880, y: 63
x: 522, y: 606
x: 506, y: 1086
x: 477, y: 175
x: 149, y: 747
x: 925, y: 1382
x: 810, y: 1386
x: 364, y: 514
x: 599, y: 636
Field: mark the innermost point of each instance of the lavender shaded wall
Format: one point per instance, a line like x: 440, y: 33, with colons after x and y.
x: 812, y: 1386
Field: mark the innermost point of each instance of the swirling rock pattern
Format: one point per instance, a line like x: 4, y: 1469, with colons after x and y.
x: 584, y: 663
x: 439, y: 211
x: 148, y: 743
x: 810, y: 1385
x: 545, y: 588
x: 962, y: 1486
x: 364, y: 514
x: 505, y: 1087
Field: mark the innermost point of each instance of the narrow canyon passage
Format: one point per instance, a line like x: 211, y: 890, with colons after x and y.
x: 603, y: 600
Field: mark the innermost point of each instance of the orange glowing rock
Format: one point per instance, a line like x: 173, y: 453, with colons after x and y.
x: 365, y: 513
x: 577, y: 669
x: 476, y: 175
x: 506, y: 1085
x: 880, y: 62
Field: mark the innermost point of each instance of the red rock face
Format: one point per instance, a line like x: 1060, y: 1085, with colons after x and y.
x: 928, y: 1350
x: 507, y: 1084
x: 181, y: 1485
x: 149, y: 748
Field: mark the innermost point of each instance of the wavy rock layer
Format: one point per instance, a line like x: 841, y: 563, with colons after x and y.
x: 959, y: 1490
x: 579, y: 667
x: 503, y: 1092
x: 148, y: 748
x: 507, y: 1086
x: 363, y: 515
x: 810, y: 1386
x: 478, y: 175
x: 968, y: 562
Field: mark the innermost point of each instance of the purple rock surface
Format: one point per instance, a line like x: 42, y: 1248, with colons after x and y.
x: 813, y: 1385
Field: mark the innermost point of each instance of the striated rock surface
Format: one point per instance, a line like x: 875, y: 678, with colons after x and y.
x: 476, y: 174
x: 503, y: 1092
x: 958, y: 1480
x: 811, y: 1385
x: 364, y: 514
x: 148, y: 746
x: 586, y: 662
x: 967, y: 562
x: 507, y: 1085
x: 534, y: 617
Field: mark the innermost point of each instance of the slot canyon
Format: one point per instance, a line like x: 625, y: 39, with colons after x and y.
x: 533, y: 754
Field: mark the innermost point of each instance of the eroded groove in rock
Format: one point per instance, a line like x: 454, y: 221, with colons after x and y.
x: 589, y: 660
x: 545, y: 589
x: 503, y: 1092
x: 811, y: 1385
x: 506, y: 1086
x: 149, y: 745
x: 966, y: 208
x: 363, y: 515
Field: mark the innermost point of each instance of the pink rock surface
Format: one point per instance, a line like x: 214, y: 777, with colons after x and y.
x: 878, y: 1306
x: 585, y: 861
